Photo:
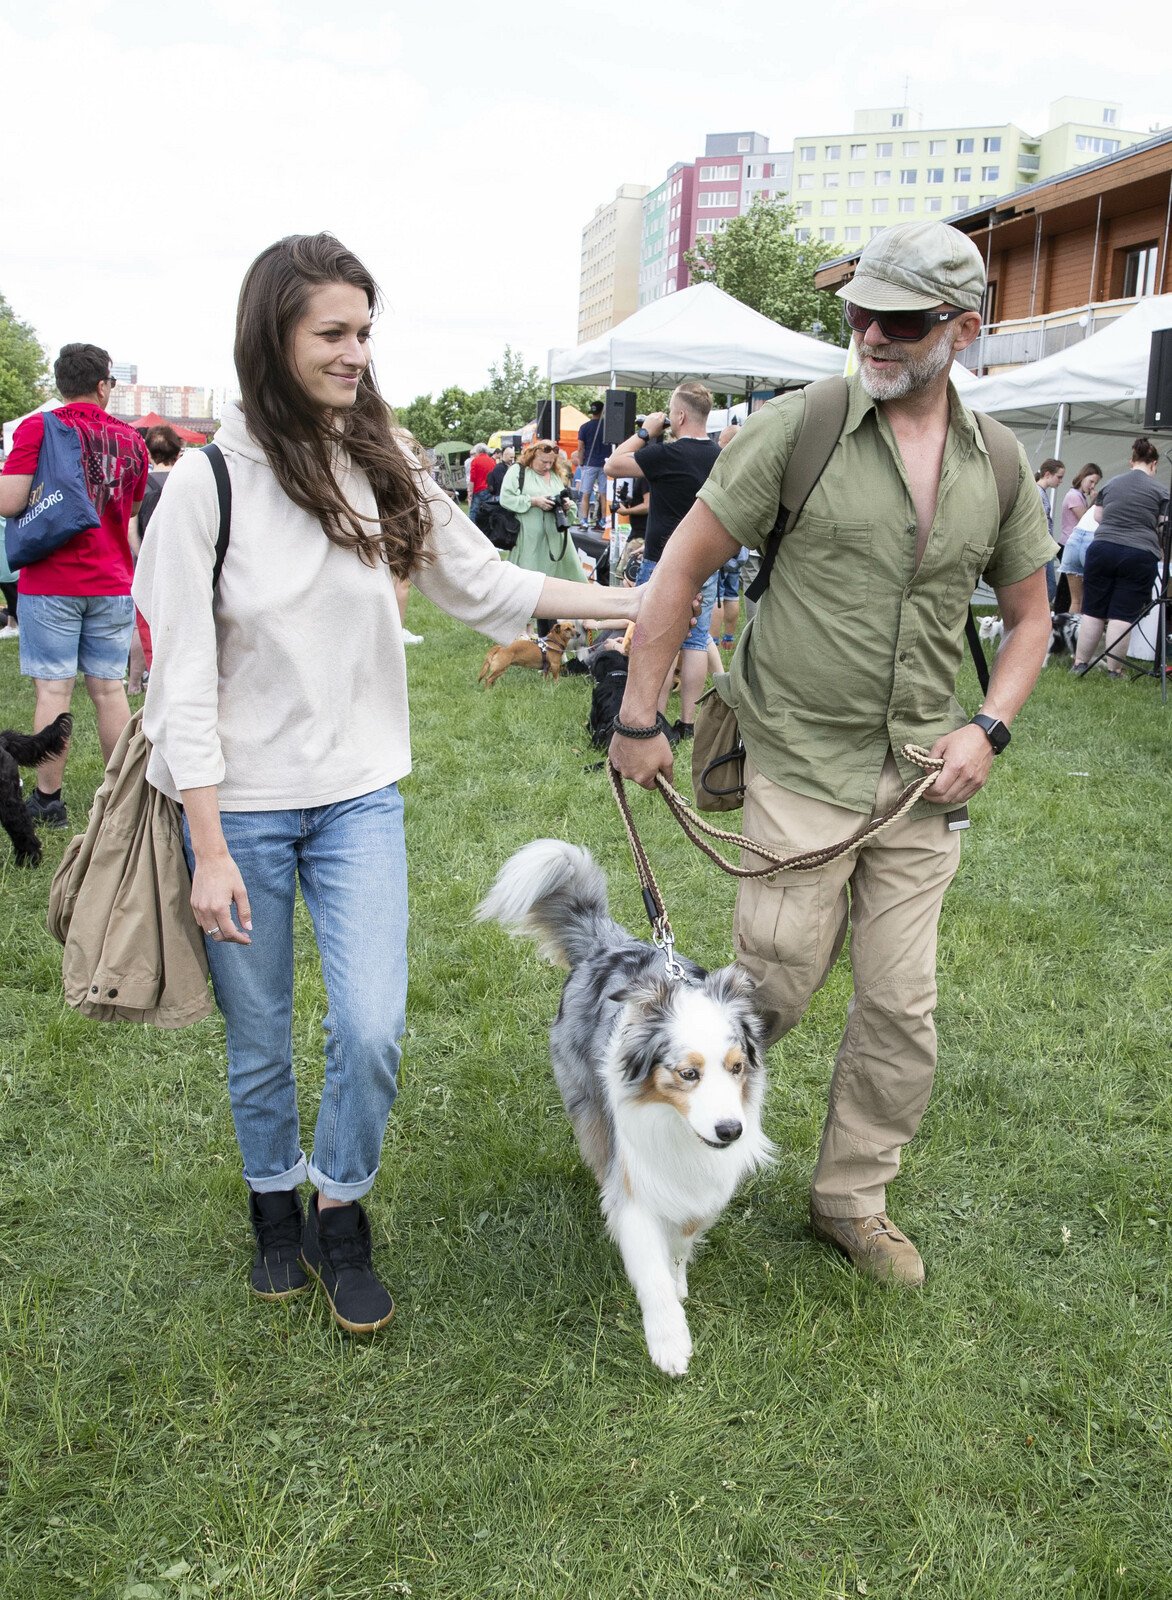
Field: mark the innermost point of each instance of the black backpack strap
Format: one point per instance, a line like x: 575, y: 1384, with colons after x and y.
x: 821, y: 427
x: 1001, y: 444
x: 224, y: 495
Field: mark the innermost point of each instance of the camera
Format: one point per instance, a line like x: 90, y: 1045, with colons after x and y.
x: 560, y: 520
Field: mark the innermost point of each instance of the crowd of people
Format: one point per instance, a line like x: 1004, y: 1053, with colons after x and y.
x: 276, y: 685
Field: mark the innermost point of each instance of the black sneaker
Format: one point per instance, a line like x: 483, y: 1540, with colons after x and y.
x: 277, y: 1220
x: 336, y: 1249
x: 48, y: 813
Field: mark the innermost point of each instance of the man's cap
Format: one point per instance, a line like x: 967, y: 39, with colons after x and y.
x: 596, y: 405
x: 915, y: 266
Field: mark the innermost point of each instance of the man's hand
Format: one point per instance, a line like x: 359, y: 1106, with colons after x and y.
x: 656, y: 423
x: 641, y: 759
x: 968, y: 755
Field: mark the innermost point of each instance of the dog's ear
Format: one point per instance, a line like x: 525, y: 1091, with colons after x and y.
x: 649, y: 1003
x: 733, y: 989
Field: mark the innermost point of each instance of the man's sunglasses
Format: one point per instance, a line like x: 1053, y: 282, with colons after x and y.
x: 112, y: 381
x: 906, y: 326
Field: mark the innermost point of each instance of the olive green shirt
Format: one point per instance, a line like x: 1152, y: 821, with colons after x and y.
x: 854, y: 649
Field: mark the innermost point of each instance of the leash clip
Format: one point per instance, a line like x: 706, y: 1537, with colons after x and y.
x: 663, y: 939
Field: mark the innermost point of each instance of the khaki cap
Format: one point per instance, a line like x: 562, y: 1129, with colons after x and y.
x: 915, y: 266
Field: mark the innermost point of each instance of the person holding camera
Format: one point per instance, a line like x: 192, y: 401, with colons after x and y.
x: 534, y: 491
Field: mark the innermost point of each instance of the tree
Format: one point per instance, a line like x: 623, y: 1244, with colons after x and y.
x: 24, y: 366
x: 422, y: 420
x: 758, y: 260
x: 514, y: 390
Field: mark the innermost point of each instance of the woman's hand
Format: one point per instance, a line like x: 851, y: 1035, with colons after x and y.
x: 216, y: 886
x: 542, y: 502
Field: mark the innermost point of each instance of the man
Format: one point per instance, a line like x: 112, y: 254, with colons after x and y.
x: 76, y: 613
x: 480, y: 464
x: 497, y: 476
x: 592, y: 454
x: 1049, y: 475
x: 855, y: 650
x: 675, y: 472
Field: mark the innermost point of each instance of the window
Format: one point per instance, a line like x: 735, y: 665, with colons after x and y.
x: 805, y: 180
x: 911, y: 147
x: 806, y: 152
x: 897, y: 119
x: 854, y: 208
x: 882, y: 178
x: 830, y: 208
x: 934, y: 175
x: 832, y: 152
x: 717, y: 197
x: 907, y: 175
x: 858, y: 152
x: 1087, y: 141
x: 907, y: 204
x: 960, y: 202
x: 768, y: 170
x: 992, y: 144
x: 826, y: 235
x: 987, y: 199
x: 936, y: 146
x: 802, y: 235
x: 805, y: 208
x: 883, y: 150
x: 710, y: 225
x: 743, y: 144
x: 962, y: 174
x: 1109, y: 115
x: 830, y: 180
x: 964, y: 147
x: 990, y: 174
x: 852, y: 235
x: 1139, y: 270
x: 717, y: 174
x: 875, y: 232
x: 880, y: 208
x: 934, y: 204
x: 750, y: 170
x: 856, y: 180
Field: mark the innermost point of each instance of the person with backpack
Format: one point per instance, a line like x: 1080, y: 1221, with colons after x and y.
x: 854, y: 652
x: 277, y: 712
x: 164, y: 446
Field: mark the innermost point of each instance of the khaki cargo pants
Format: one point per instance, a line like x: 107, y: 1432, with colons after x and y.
x: 788, y: 932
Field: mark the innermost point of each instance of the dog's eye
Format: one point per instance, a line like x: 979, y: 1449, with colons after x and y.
x: 689, y: 1074
x: 736, y: 1068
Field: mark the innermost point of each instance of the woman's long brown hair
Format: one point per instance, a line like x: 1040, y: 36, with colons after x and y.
x: 298, y: 439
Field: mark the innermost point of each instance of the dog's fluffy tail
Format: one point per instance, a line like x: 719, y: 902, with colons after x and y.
x: 29, y: 749
x: 555, y: 893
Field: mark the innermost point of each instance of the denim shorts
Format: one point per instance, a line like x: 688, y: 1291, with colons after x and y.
x: 700, y: 631
x: 1074, y: 552
x: 729, y: 581
x: 64, y: 634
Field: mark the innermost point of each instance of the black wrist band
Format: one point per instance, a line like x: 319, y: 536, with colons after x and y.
x: 660, y: 725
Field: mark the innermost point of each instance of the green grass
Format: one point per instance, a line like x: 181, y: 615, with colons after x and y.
x: 1006, y: 1433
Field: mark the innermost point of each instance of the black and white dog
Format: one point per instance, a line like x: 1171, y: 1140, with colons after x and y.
x: 26, y: 750
x: 662, y: 1079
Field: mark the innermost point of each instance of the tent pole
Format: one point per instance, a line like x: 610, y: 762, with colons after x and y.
x: 1063, y: 418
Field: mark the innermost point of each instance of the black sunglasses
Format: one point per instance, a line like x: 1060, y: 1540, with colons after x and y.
x: 112, y: 381
x: 906, y: 326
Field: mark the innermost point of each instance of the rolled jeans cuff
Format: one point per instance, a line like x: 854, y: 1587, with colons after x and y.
x: 344, y: 1192
x: 296, y: 1174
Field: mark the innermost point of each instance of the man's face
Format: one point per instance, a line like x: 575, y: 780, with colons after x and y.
x: 892, y: 369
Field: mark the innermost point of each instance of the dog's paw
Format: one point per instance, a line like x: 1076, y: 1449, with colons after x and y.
x: 669, y: 1344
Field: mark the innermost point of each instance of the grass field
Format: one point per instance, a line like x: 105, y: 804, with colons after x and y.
x: 1004, y: 1435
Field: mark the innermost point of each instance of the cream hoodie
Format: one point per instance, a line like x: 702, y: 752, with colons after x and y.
x: 289, y: 688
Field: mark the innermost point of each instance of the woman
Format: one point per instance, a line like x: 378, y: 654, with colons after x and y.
x: 1122, y: 560
x: 277, y: 709
x: 164, y: 446
x: 1073, y: 541
x: 540, y: 501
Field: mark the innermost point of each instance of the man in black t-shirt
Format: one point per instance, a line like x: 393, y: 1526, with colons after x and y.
x: 676, y: 471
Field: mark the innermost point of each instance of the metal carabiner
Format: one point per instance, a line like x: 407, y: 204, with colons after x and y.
x: 663, y: 939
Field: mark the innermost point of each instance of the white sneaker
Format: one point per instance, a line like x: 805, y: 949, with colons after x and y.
x: 412, y: 638
x: 11, y: 630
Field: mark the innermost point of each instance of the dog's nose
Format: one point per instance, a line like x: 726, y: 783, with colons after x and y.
x: 728, y: 1132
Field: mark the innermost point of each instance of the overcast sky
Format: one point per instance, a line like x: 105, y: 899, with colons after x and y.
x: 151, y: 151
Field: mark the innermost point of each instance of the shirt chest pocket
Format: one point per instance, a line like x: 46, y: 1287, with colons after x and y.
x: 832, y: 562
x: 966, y: 573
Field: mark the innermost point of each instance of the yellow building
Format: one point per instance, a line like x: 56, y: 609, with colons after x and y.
x: 609, y: 276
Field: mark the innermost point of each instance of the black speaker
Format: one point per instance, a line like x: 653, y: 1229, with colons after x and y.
x: 618, y: 419
x: 548, y: 417
x: 1159, y: 406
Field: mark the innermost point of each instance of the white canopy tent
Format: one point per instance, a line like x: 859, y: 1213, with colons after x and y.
x: 699, y: 332
x: 1086, y: 400
x: 11, y: 427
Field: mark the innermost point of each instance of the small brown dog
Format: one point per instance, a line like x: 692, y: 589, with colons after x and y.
x: 544, y: 654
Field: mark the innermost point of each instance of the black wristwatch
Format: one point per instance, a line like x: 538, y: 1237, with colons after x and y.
x: 994, y: 730
x: 641, y: 433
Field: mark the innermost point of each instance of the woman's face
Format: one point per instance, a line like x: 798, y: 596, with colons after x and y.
x: 1089, y: 484
x: 545, y: 457
x: 330, y: 346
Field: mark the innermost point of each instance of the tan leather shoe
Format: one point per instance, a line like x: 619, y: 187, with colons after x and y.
x: 874, y: 1246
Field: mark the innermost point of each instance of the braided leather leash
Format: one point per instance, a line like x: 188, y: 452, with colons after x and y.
x: 694, y: 825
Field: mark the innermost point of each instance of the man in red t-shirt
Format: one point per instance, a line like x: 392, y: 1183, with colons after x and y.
x: 76, y: 614
x: 480, y: 464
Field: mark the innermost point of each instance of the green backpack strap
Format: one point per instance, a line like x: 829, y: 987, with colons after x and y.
x: 821, y: 427
x: 1001, y: 443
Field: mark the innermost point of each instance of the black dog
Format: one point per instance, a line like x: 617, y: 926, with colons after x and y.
x: 26, y: 750
x: 609, y: 671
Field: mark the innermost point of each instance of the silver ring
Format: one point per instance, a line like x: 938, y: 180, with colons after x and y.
x: 212, y: 932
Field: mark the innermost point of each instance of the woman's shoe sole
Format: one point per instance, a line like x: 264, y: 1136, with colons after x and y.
x: 343, y: 1322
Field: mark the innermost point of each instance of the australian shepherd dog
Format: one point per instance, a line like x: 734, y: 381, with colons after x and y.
x: 662, y: 1078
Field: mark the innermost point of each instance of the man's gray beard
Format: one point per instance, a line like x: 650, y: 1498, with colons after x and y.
x: 915, y: 372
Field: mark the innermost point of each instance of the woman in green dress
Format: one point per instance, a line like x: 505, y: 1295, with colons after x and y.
x: 541, y: 545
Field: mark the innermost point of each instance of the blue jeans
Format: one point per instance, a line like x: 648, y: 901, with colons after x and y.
x: 350, y: 859
x: 698, y: 633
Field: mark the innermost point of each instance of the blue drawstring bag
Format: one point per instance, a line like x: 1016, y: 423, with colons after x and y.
x: 59, y: 505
